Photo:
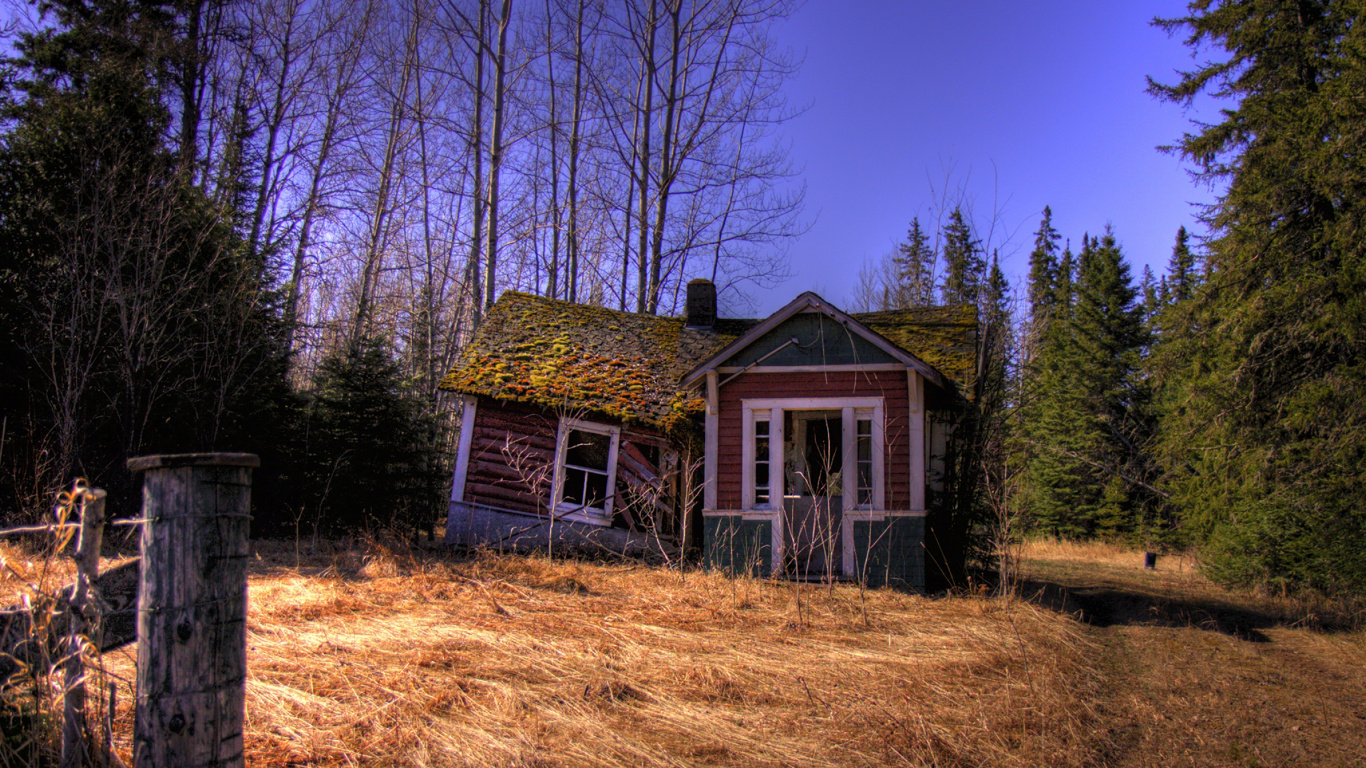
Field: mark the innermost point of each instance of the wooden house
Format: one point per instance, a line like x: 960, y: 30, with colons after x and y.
x: 810, y: 443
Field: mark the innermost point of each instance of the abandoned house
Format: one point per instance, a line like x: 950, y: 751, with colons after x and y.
x: 811, y: 443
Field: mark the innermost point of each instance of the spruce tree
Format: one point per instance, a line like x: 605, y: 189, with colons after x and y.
x: 1181, y: 278
x: 1264, y: 426
x: 914, y: 270
x: 964, y: 264
x: 1043, y: 271
x: 1083, y: 418
x: 370, y: 448
x: 142, y: 325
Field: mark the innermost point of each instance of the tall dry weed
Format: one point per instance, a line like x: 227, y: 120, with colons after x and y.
x: 35, y: 652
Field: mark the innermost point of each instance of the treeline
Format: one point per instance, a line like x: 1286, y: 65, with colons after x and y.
x: 1222, y: 407
x: 271, y: 227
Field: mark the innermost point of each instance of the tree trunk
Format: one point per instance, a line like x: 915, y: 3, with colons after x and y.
x: 572, y: 278
x: 666, y: 167
x: 496, y: 153
x: 648, y: 77
x: 477, y: 139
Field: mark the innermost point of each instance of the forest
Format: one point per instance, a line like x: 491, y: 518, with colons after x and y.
x: 272, y: 226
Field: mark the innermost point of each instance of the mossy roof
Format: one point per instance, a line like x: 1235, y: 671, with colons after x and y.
x: 628, y: 366
x: 944, y: 337
x: 576, y: 356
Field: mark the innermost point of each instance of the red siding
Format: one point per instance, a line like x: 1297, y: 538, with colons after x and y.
x: 890, y: 385
x: 512, y: 456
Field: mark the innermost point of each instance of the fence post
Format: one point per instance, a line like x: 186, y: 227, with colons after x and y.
x: 192, y: 609
x: 74, y: 745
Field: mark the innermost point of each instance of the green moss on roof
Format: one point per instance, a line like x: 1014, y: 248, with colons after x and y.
x: 558, y: 354
x: 944, y: 337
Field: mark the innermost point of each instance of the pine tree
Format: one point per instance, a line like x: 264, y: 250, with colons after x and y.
x: 1043, y: 272
x: 1264, y: 424
x: 1083, y: 422
x: 914, y: 266
x: 1182, y: 277
x: 964, y: 265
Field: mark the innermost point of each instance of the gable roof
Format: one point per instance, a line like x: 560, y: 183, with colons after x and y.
x: 559, y: 354
x: 806, y: 302
x: 630, y: 366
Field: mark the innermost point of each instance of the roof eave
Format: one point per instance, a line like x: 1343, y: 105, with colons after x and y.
x: 810, y: 300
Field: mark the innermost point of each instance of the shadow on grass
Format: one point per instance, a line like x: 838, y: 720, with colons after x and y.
x: 1109, y: 605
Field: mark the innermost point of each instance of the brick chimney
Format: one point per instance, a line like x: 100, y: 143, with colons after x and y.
x: 701, y: 310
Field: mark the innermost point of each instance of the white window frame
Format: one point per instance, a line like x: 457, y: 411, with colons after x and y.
x: 772, y: 411
x: 592, y: 515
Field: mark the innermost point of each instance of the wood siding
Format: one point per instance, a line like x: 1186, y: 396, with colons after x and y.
x: 512, y: 463
x: 889, y: 385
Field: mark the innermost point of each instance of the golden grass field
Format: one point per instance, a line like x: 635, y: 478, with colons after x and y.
x: 381, y: 655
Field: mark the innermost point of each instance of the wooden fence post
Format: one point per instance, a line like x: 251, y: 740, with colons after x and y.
x: 192, y: 609
x: 74, y: 745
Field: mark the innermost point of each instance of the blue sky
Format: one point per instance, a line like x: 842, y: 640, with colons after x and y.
x: 1016, y: 104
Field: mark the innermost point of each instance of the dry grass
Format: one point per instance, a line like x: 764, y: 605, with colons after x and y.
x: 1176, y: 581
x: 1198, y: 675
x: 378, y: 655
x: 391, y: 658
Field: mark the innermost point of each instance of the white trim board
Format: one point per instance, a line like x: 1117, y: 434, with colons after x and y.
x: 851, y: 368
x: 462, y: 455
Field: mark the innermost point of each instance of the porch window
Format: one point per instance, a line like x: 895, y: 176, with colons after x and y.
x: 585, y: 469
x: 761, y: 463
x: 864, y: 457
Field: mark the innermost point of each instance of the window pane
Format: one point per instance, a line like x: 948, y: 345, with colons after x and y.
x: 865, y: 483
x: 597, y: 489
x: 573, y: 486
x: 865, y: 440
x: 761, y: 449
x: 588, y: 449
x: 761, y: 475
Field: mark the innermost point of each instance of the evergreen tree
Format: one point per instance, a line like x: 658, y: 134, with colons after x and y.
x: 1264, y: 425
x: 1152, y: 293
x: 914, y: 267
x: 964, y: 264
x: 1181, y: 278
x: 1043, y: 279
x: 142, y: 324
x: 1084, y: 420
x: 370, y: 448
x: 998, y: 333
x: 1063, y: 293
x: 1043, y: 272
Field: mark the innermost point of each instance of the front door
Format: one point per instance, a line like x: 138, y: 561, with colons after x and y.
x: 813, y: 505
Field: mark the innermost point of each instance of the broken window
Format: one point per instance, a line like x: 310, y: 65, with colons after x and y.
x: 586, y: 459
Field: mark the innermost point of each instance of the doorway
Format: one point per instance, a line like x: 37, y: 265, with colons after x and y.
x: 813, y: 503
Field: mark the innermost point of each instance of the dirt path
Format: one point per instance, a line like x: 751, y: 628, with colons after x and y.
x: 1196, y: 678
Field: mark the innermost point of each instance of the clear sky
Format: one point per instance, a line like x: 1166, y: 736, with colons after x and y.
x: 1019, y: 103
